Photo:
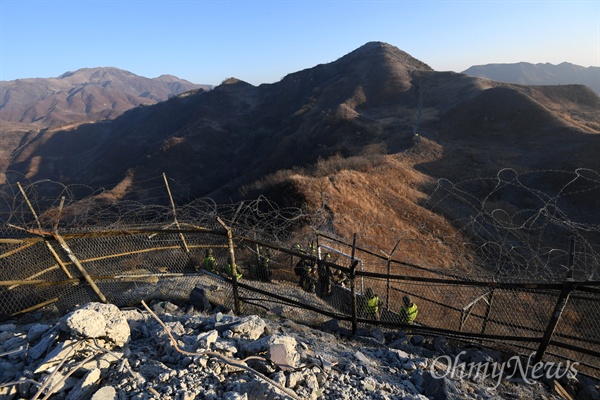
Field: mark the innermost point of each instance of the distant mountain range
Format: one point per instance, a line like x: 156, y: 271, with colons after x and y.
x: 339, y: 139
x: 539, y: 74
x: 86, y: 95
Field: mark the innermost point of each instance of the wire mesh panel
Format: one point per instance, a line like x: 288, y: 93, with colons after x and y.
x: 579, y: 327
x: 133, y: 252
x: 23, y: 262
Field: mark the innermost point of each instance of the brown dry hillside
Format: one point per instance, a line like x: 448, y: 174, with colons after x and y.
x: 339, y: 140
x: 85, y: 95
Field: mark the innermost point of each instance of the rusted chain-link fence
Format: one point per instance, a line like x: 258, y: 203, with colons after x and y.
x: 66, y: 252
x: 125, y: 267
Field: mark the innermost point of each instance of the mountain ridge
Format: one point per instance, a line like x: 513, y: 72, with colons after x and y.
x: 84, y: 95
x: 539, y: 74
x: 339, y: 138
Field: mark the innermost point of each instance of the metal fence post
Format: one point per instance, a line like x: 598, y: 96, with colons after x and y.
x: 353, y: 286
x: 389, y: 269
x: 571, y: 261
x: 561, y: 303
x: 353, y: 291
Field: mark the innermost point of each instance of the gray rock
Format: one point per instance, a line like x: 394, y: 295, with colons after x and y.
x: 590, y: 390
x: 85, y: 387
x: 7, y: 372
x: 206, y: 339
x: 293, y: 378
x: 98, y: 320
x: 234, y: 396
x: 279, y: 377
x: 440, y: 345
x: 8, y: 328
x: 134, y: 318
x: 439, y: 388
x: 225, y: 347
x: 402, y: 355
x: 62, y: 350
x: 400, y: 343
x: 36, y: 331
x: 40, y: 349
x: 409, y: 365
x: 17, y: 344
x: 417, y: 340
x: 282, y: 352
x: 378, y: 335
x: 170, y: 307
x: 251, y: 327
x: 362, y: 358
x: 198, y: 299
x: 103, y: 361
x: 56, y: 384
x: 255, y: 346
x: 156, y: 371
x: 105, y: 393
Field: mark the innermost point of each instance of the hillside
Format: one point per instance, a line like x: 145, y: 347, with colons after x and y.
x: 85, y: 95
x: 339, y: 139
x: 539, y: 74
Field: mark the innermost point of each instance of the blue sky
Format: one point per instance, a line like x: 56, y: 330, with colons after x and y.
x: 262, y: 41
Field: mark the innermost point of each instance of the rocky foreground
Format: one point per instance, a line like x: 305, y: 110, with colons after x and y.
x: 101, y: 352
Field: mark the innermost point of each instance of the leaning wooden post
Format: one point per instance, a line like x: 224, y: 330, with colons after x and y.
x: 561, y: 303
x: 48, y: 245
x: 462, y: 320
x: 75, y: 261
x: 488, y: 309
x: 185, y: 246
x: 236, y: 296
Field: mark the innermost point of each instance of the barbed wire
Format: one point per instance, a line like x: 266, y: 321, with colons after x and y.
x: 515, y: 225
x: 520, y: 224
x: 508, y: 228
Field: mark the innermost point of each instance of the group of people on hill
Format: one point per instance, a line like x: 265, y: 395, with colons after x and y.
x: 370, y: 308
x: 314, y: 277
x: 262, y: 272
x: 210, y: 264
x: 317, y: 277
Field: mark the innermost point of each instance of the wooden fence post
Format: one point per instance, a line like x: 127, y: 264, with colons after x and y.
x: 488, y: 309
x: 76, y: 262
x: 183, y: 241
x: 236, y: 295
x: 37, y: 220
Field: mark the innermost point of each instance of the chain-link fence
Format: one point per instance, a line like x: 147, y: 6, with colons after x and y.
x: 246, y: 258
x: 556, y: 319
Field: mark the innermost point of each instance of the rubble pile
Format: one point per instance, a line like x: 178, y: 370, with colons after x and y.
x: 101, y: 352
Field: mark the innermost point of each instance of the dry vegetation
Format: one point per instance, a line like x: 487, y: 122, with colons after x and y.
x: 378, y: 196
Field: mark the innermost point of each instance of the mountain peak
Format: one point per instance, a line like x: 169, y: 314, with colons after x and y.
x: 87, y: 94
x: 389, y: 53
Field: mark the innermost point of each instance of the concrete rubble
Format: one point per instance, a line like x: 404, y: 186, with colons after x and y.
x: 101, y: 352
